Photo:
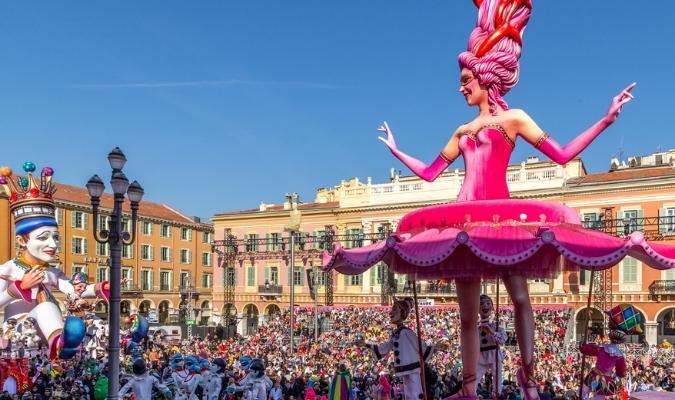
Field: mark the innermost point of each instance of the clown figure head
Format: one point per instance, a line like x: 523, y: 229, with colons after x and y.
x: 399, y: 311
x: 40, y: 245
x: 79, y: 281
x: 486, y: 306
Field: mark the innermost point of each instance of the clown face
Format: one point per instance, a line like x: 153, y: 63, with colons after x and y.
x: 396, y: 314
x: 486, y: 307
x: 42, y: 244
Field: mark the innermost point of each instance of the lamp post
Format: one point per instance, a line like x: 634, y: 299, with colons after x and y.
x: 292, y: 228
x: 115, y: 237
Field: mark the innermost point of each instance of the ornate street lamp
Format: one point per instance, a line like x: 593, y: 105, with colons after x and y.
x: 292, y: 228
x: 115, y: 237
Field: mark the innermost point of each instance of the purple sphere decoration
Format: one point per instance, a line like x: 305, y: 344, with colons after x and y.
x: 47, y: 171
x: 3, y: 180
x: 28, y: 166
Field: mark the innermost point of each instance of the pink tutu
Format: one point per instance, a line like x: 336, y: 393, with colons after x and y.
x: 496, y: 238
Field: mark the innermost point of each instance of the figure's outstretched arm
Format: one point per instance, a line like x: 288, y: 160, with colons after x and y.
x: 427, y: 172
x: 529, y: 130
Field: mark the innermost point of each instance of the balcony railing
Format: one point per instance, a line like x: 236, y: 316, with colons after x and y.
x: 660, y: 288
x: 431, y: 289
x: 186, y: 291
x: 131, y: 291
x: 164, y: 287
x: 654, y: 228
x: 270, y: 289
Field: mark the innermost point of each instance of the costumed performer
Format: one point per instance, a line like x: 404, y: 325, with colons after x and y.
x: 75, y: 304
x: 255, y: 385
x: 142, y: 383
x: 404, y: 343
x: 485, y: 234
x: 492, y: 338
x: 610, y: 366
x: 186, y: 379
x: 25, y: 281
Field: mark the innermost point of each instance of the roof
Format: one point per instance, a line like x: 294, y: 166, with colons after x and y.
x: 280, y: 207
x: 74, y: 194
x: 624, y: 175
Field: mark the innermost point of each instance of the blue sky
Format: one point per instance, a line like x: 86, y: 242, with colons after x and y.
x: 220, y: 105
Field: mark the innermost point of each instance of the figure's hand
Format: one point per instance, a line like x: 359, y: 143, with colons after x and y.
x: 487, y: 328
x: 388, y: 139
x: 618, y: 101
x: 31, y: 279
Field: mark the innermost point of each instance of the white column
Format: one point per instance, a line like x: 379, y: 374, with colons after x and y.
x: 651, y: 333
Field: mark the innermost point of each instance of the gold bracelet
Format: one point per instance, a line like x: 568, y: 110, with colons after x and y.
x: 541, y: 139
x: 446, y: 158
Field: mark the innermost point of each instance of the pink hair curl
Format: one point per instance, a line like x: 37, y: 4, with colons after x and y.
x: 498, y: 69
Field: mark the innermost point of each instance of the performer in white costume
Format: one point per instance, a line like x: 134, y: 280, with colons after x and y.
x: 25, y: 281
x: 492, y: 339
x: 406, y: 350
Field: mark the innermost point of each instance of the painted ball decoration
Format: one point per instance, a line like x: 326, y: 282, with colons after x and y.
x: 627, y: 318
x: 5, y: 171
x: 29, y: 166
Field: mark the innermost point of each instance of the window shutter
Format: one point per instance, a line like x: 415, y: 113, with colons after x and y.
x: 84, y: 245
x: 663, y: 221
x: 72, y: 245
x: 373, y: 274
x: 640, y: 221
x: 151, y: 250
x: 346, y: 280
x: 72, y: 218
x: 85, y: 220
x: 267, y: 275
x: 268, y: 247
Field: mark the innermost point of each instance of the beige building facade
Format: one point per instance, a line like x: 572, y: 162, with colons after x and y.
x: 636, y: 195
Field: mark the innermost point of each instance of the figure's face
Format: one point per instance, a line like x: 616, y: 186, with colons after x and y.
x: 42, y: 243
x: 470, y: 88
x: 80, y: 288
x: 485, y: 307
x: 395, y: 315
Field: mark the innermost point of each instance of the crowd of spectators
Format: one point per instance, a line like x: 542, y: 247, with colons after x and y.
x: 306, y: 373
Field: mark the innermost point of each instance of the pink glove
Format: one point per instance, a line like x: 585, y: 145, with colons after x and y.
x: 563, y: 154
x: 427, y: 172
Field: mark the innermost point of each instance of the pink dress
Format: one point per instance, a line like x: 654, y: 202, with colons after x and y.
x: 486, y: 234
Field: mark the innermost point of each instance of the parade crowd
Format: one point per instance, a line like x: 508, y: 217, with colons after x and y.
x: 306, y: 373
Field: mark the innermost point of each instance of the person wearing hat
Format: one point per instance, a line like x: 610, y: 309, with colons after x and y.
x: 255, y: 385
x: 604, y: 380
x: 142, y: 383
x: 405, y: 345
x: 214, y: 381
x: 25, y: 281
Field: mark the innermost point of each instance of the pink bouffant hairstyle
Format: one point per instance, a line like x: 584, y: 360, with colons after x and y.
x: 495, y: 45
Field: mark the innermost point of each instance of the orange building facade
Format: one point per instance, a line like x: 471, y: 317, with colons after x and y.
x: 638, y: 195
x: 168, y: 264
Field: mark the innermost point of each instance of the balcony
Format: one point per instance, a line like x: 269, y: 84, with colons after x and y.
x: 431, y: 289
x: 186, y: 291
x: 130, y: 291
x: 661, y: 288
x: 270, y: 290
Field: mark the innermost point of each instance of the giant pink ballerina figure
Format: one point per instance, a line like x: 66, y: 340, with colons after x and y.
x: 466, y: 240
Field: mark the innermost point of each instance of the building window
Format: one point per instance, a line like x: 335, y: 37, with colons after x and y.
x: 185, y: 234
x: 146, y: 279
x: 184, y: 279
x: 146, y: 228
x: 185, y: 256
x: 669, y: 274
x: 59, y: 216
x: 231, y: 277
x: 206, y: 237
x: 165, y: 231
x: 147, y: 252
x: 79, y: 245
x: 77, y: 268
x: 104, y: 222
x: 354, y: 238
x: 251, y: 242
x: 377, y: 274
x: 353, y: 280
x: 128, y: 251
x: 165, y: 280
x: 250, y: 275
x: 79, y: 220
x: 206, y: 259
x: 298, y: 276
x: 629, y: 270
x: 272, y: 275
x: 128, y: 275
x: 165, y: 253
x: 273, y: 241
x: 101, y: 274
x: 670, y: 219
x: 207, y: 281
x: 631, y: 222
x: 126, y: 225
x: 102, y: 249
x: 591, y: 220
x: 584, y: 277
x: 300, y: 240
